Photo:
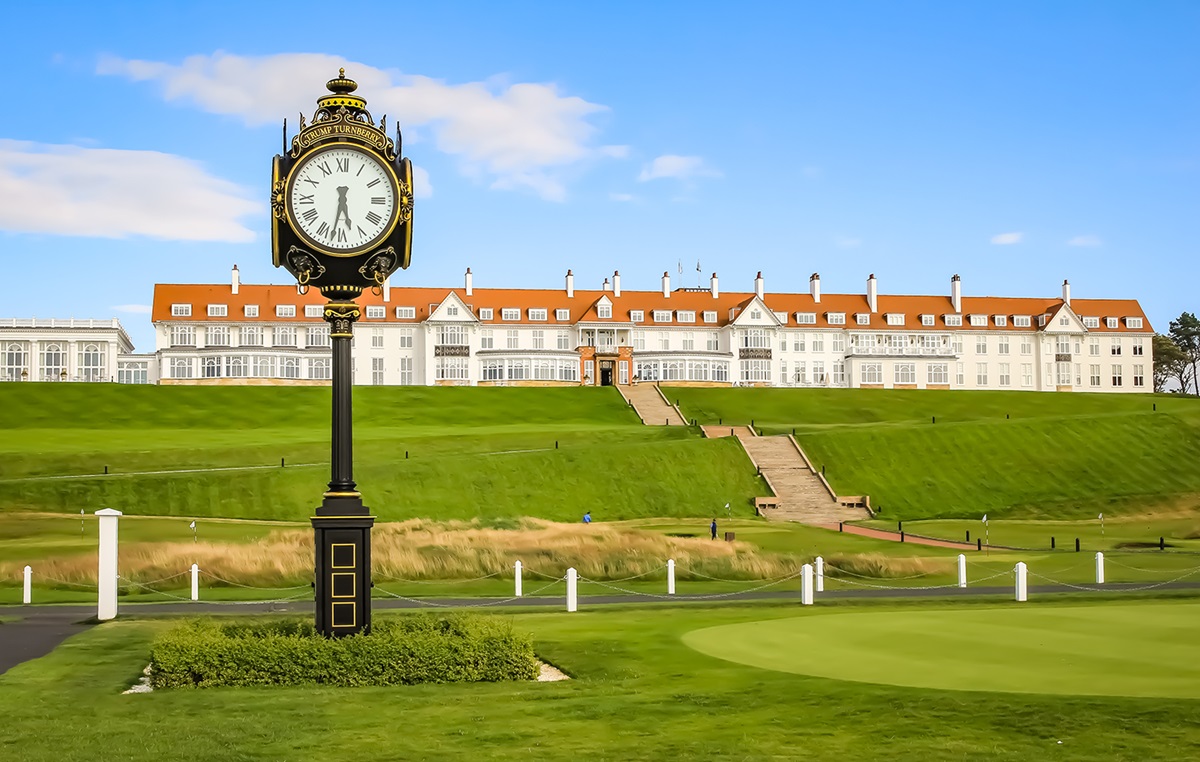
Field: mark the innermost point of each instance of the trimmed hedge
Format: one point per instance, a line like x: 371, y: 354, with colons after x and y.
x: 404, y: 650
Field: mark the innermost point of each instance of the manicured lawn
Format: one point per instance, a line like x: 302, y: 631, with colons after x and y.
x: 1116, y: 533
x: 638, y: 693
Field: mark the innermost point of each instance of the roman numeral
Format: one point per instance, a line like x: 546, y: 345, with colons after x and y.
x: 324, y: 167
x: 324, y: 229
x: 373, y: 218
x: 310, y: 214
x: 305, y: 199
x: 378, y: 200
x: 310, y: 181
x: 341, y: 235
x: 373, y: 183
x: 361, y: 233
x: 360, y: 169
x: 343, y: 165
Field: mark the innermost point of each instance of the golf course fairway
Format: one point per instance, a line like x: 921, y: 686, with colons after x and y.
x: 1102, y: 649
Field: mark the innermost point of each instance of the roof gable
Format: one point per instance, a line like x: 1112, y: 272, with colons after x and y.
x: 452, y: 309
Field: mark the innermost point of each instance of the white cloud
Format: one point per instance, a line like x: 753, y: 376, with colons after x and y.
x: 621, y: 196
x: 517, y: 133
x: 136, y: 309
x: 845, y: 242
x: 421, y: 186
x: 1085, y: 240
x: 679, y: 167
x: 113, y: 193
x: 1007, y: 239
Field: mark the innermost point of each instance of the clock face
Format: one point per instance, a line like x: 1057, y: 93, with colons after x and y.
x: 342, y: 200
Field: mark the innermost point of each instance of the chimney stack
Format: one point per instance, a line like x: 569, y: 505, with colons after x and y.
x: 387, y: 289
x: 758, y: 284
x: 1067, y: 292
x: 237, y: 279
x: 468, y: 285
x: 956, y: 293
x: 872, y: 294
x: 616, y: 282
x: 570, y: 285
x: 715, y: 292
x: 814, y: 287
x: 607, y: 286
x: 667, y: 285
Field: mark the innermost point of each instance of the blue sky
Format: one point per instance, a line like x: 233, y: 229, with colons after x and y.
x: 1014, y: 143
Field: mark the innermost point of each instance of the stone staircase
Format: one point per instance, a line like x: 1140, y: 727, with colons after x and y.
x: 650, y: 405
x: 800, y: 494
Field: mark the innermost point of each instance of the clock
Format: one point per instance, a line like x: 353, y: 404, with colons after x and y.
x: 343, y: 200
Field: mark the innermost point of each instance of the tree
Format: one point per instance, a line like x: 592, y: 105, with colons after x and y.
x: 1170, y: 363
x: 1185, y: 332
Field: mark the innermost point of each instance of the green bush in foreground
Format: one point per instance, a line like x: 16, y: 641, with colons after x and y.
x: 412, y: 649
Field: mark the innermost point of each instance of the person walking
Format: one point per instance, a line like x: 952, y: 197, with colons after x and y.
x: 587, y: 517
x: 713, y: 527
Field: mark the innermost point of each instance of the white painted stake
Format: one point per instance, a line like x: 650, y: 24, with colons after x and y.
x: 195, y: 582
x: 1099, y: 568
x: 962, y: 570
x: 572, y: 598
x: 670, y: 576
x: 106, y: 579
x: 806, y: 585
x: 820, y: 574
x: 1022, y: 588
x: 28, y: 597
x: 517, y: 579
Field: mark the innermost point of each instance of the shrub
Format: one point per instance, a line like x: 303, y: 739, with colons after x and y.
x: 457, y: 648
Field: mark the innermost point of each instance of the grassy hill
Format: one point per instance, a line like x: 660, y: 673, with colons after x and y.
x: 1011, y: 454
x: 428, y: 452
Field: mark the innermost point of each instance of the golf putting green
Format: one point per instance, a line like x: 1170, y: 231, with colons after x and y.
x: 1106, y: 649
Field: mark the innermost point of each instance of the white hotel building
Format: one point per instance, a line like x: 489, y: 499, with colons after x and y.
x: 255, y: 334
x: 57, y: 350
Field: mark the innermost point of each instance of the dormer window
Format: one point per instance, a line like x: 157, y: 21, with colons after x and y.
x: 604, y: 311
x: 662, y: 316
x: 538, y: 314
x: 485, y: 313
x: 927, y: 320
x: 218, y: 310
x: 510, y: 313
x: 181, y: 310
x: 1001, y: 320
x: 710, y: 316
x: 1021, y: 321
x: 376, y: 312
x: 685, y: 316
x: 862, y: 318
x: 979, y: 321
x: 954, y: 320
x: 836, y: 318
x: 406, y: 313
x: 285, y: 310
x: 1132, y: 322
x: 806, y: 318
x: 251, y: 310
x: 637, y: 316
x: 312, y: 310
x: 562, y: 315
x: 895, y: 318
x: 781, y: 317
x: 1091, y: 322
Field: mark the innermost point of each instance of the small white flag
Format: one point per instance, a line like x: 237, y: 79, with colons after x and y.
x: 984, y: 518
x: 192, y: 525
x: 1101, y: 517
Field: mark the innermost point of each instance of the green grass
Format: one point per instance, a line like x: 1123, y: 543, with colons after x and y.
x: 1062, y: 456
x: 638, y: 693
x: 1117, y: 533
x: 1137, y: 649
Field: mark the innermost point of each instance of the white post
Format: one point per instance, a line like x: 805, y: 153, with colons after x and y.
x: 572, y: 598
x: 195, y: 582
x: 1022, y: 588
x: 28, y: 597
x: 806, y: 585
x: 517, y: 579
x: 1099, y: 568
x: 820, y: 574
x: 106, y: 578
x: 670, y: 576
x: 962, y: 570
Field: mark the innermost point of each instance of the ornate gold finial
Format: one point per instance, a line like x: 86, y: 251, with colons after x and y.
x: 341, y: 72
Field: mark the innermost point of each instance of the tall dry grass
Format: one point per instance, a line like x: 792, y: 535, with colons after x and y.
x: 881, y: 566
x: 427, y: 550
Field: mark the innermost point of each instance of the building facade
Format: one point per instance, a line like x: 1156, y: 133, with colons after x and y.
x: 256, y: 334
x: 55, y: 350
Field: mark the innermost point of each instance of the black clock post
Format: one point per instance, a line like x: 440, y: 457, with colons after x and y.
x: 342, y: 205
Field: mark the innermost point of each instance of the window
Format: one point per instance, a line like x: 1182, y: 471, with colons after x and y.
x: 1094, y: 374
x: 1064, y: 321
x: 800, y: 373
x: 1062, y: 373
x: 979, y: 321
x: 871, y: 373
x: 1132, y: 322
x: 839, y: 372
x: 1139, y: 347
x: 960, y: 377
x: 285, y: 336
x: 981, y: 374
x: 589, y: 369
x: 377, y: 371
x: 783, y: 373
x: 604, y: 311
x: 1005, y: 377
x: 1094, y: 346
x: 289, y: 367
x: 937, y: 373
x: 218, y: 310
x: 564, y: 340
x: 905, y: 373
x: 639, y: 340
x: 491, y: 370
x: 662, y: 316
x: 539, y: 339
x: 91, y: 364
x: 956, y: 344
x: 377, y: 338
x: 538, y: 314
x: 1139, y: 375
x: 818, y: 342
x: 981, y: 345
x: 710, y: 316
x: 183, y: 336
x: 320, y: 369
x: 452, y: 335
x: 1003, y: 345
x: 285, y: 310
x: 1111, y: 323
x: 1091, y: 322
x: 953, y: 320
x: 408, y: 313
x: 818, y: 372
x: 755, y: 338
x: 1001, y: 320
x: 637, y: 316
x: 451, y: 310
x: 312, y: 310
x: 251, y: 336
x: 181, y: 367
x: 623, y: 373
x: 835, y: 318
x: 782, y: 317
x: 685, y: 316
x: 485, y: 313
x: 562, y: 315
x: 263, y: 366
x: 1078, y: 374
x: 756, y: 314
x: 927, y: 320
x: 181, y: 310
x: 486, y: 340
x: 54, y: 362
x: 236, y: 366
x: 513, y: 340
x: 839, y: 342
x: 712, y: 342
x: 664, y: 340
x: 251, y: 310
x: 1027, y: 374
x: 798, y: 343
x: 510, y: 313
x: 1026, y: 345
x: 217, y: 336
x: 1116, y: 375
x: 406, y: 338
x: 863, y: 318
x: 318, y: 336
x: 450, y: 369
x: 755, y: 371
x: 1021, y: 321
x: 406, y: 371
x: 894, y: 318
x: 1115, y: 349
x: 132, y: 373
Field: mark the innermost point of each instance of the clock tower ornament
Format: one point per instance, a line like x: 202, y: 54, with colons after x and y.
x: 342, y: 208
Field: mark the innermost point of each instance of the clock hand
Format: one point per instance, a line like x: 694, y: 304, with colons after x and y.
x: 341, y: 207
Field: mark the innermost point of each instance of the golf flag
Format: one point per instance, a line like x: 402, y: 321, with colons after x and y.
x: 1101, y: 517
x: 984, y: 518
x: 192, y: 525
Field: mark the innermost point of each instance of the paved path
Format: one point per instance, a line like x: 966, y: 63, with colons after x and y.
x: 42, y: 628
x: 883, y: 534
x: 650, y: 406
